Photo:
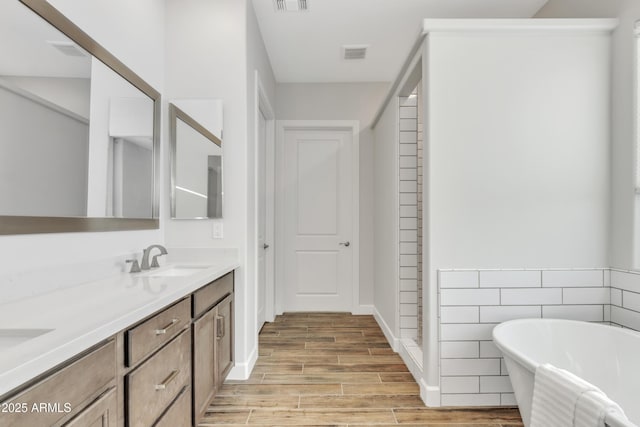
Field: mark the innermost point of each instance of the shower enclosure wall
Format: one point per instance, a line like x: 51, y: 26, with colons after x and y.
x: 410, y: 221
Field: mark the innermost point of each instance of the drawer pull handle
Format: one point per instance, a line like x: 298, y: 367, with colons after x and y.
x: 166, y: 328
x: 172, y: 376
x: 220, y: 323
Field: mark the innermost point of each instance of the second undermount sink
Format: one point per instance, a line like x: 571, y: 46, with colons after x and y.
x: 175, y: 271
x: 12, y: 337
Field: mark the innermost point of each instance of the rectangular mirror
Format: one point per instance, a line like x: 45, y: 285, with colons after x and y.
x: 78, y: 130
x: 196, y: 159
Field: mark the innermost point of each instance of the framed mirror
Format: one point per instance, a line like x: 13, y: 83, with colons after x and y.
x: 196, y: 159
x: 79, y: 131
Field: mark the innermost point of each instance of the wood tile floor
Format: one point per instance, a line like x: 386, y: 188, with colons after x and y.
x: 334, y: 369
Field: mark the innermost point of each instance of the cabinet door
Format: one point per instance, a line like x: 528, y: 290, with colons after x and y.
x: 101, y: 413
x: 204, y: 363
x: 224, y: 330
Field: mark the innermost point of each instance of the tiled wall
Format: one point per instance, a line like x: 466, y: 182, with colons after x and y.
x: 408, y: 216
x: 420, y: 163
x: 472, y: 302
x: 625, y: 299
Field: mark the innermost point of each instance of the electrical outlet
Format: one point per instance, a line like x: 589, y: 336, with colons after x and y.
x: 218, y: 230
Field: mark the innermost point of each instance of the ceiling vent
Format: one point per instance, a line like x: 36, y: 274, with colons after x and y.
x: 67, y: 48
x: 291, y: 5
x: 354, y: 51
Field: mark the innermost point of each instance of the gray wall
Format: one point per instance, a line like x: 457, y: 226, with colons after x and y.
x: 43, y: 168
x: 343, y: 101
x: 137, y: 173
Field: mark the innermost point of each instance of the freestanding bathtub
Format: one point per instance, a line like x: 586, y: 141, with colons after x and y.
x: 607, y: 357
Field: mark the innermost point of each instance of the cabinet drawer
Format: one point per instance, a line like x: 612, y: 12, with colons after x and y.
x: 155, y: 384
x: 209, y: 295
x: 65, y: 390
x: 179, y: 414
x: 101, y: 413
x: 154, y: 332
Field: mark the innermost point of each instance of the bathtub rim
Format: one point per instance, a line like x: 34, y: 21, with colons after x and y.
x: 500, y: 331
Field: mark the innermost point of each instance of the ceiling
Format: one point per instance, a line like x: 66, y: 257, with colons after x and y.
x: 307, y: 46
x: 25, y: 48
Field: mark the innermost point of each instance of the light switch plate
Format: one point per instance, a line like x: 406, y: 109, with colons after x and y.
x: 218, y: 230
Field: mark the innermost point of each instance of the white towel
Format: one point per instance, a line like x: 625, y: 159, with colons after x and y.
x: 555, y: 394
x: 592, y: 407
x: 561, y: 399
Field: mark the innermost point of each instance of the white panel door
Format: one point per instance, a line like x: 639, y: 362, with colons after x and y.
x: 318, y: 195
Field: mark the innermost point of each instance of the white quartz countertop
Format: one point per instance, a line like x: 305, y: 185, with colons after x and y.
x: 83, y: 315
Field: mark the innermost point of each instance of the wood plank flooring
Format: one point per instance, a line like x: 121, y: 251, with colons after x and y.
x: 335, y: 369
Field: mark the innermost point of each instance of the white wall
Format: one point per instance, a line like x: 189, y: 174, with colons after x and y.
x: 343, y: 101
x: 140, y: 28
x: 518, y: 162
x: 519, y: 171
x: 206, y: 42
x: 213, y: 48
x: 623, y: 157
x: 385, y: 217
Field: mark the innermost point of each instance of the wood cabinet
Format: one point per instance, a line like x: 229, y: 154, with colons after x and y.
x: 153, y: 385
x: 179, y: 413
x: 162, y: 371
x: 205, y: 348
x: 212, y: 341
x: 101, y: 413
x: 67, y: 393
x: 224, y: 329
x: 156, y: 331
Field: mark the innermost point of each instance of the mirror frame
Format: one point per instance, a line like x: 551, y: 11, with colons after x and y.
x: 176, y: 113
x: 44, y: 224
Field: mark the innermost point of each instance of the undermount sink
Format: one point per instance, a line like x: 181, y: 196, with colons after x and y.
x: 175, y: 271
x: 12, y: 337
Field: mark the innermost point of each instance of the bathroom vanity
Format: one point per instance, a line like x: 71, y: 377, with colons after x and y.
x: 141, y: 349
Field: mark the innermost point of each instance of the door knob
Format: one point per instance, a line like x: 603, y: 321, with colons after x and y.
x: 345, y: 244
x: 265, y: 246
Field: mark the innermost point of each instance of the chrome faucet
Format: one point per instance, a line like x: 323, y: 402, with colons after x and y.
x: 145, y: 257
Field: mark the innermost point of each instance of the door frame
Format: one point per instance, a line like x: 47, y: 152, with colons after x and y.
x: 345, y: 125
x: 263, y: 106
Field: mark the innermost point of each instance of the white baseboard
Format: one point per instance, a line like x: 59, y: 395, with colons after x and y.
x: 430, y: 395
x: 415, y: 366
x: 363, y: 309
x: 242, y: 370
x: 388, y: 333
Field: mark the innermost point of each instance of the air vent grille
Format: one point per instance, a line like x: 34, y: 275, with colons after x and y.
x: 67, y: 48
x: 355, y: 51
x: 291, y: 5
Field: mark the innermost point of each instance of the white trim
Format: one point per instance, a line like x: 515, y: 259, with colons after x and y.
x: 430, y: 303
x: 491, y: 25
x: 354, y: 126
x: 17, y: 90
x: 386, y: 330
x: 414, y: 365
x: 263, y: 106
x: 364, y: 309
x: 519, y: 25
x: 430, y: 395
x: 242, y: 371
x: 395, y: 87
